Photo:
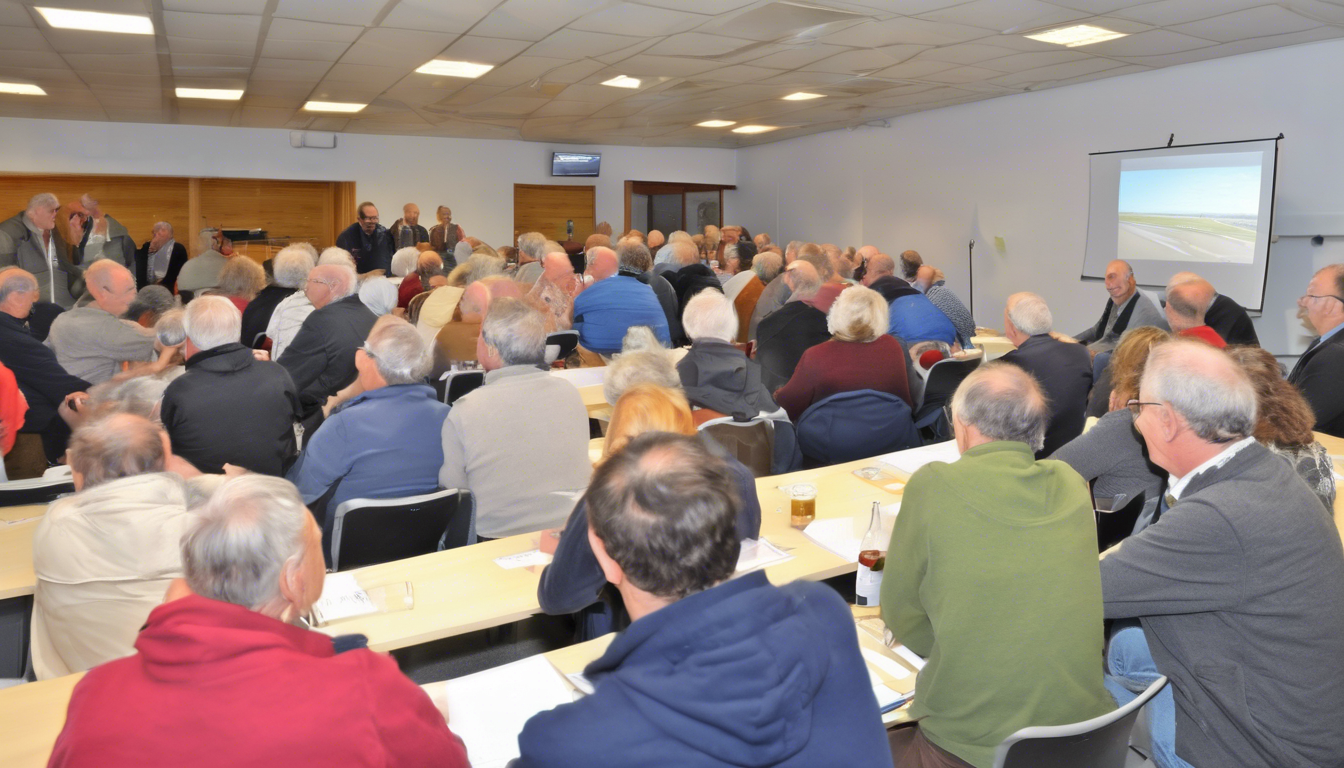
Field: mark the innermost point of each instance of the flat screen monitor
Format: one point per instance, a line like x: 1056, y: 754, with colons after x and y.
x: 575, y: 164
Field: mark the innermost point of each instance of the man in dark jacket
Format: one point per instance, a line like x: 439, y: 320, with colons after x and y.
x: 368, y: 241
x: 1320, y: 370
x: 229, y: 407
x: 714, y: 373
x: 1063, y: 369
x: 637, y: 262
x: 160, y: 259
x: 785, y: 334
x: 693, y: 276
x: 1223, y: 315
x: 321, y: 359
x: 743, y: 672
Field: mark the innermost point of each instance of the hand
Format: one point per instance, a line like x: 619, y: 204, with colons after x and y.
x: 167, y: 356
x: 261, y: 355
x: 232, y: 470
x: 550, y: 539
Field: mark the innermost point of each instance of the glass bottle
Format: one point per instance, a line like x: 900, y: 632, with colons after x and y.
x: 872, y: 561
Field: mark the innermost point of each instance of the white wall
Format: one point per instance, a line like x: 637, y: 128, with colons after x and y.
x: 1017, y: 167
x: 472, y: 176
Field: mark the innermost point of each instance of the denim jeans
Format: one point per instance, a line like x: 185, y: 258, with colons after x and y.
x: 1131, y: 672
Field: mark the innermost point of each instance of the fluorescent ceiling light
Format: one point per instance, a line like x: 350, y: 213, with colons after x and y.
x: 219, y: 94
x: 333, y: 106
x: 755, y: 128
x: 716, y: 123
x: 621, y: 81
x: 454, y: 68
x: 803, y: 96
x: 23, y: 89
x: 1072, y: 37
x: 95, y: 21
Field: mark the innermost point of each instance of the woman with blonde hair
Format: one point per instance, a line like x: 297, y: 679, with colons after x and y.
x: 573, y: 582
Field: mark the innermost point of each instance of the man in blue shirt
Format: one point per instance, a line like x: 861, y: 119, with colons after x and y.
x: 614, y: 302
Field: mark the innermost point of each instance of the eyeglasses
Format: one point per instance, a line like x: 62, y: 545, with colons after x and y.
x: 1327, y: 296
x: 1136, y: 406
x: 368, y: 218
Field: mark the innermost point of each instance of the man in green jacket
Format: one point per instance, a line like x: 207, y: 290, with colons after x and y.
x: 992, y: 575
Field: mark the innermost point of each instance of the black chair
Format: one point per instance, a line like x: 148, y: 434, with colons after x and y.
x: 942, y: 382
x: 38, y: 490
x: 1116, y: 518
x: 1102, y: 742
x: 369, y: 531
x: 456, y: 384
x: 560, y: 345
x: 855, y: 425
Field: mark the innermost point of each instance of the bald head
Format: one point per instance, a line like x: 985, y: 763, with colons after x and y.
x: 602, y: 263
x: 429, y: 262
x: 867, y: 252
x: 1182, y: 277
x: 330, y: 282
x: 802, y: 279
x: 557, y: 267
x: 879, y: 266
x: 656, y: 240
x: 1187, y: 302
x: 410, y: 214
x: 595, y: 240
x: 111, y: 285
x: 1120, y: 282
x: 685, y: 252
x: 999, y: 401
x: 116, y: 446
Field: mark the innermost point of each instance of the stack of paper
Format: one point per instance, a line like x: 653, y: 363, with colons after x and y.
x: 489, y: 709
x: 914, y: 458
x: 523, y: 559
x: 341, y: 598
x: 758, y: 553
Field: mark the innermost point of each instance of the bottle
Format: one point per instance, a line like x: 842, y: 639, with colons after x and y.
x: 872, y: 561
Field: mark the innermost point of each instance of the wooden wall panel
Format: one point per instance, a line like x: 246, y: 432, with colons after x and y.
x: 289, y: 209
x: 545, y: 208
x: 135, y: 201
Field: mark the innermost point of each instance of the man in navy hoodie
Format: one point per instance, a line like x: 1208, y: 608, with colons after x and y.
x: 713, y: 672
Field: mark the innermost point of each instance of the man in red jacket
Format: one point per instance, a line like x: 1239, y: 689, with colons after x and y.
x: 223, y: 677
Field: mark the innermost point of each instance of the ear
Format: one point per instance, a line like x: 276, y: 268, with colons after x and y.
x: 1170, y: 422
x: 610, y: 568
x: 292, y: 581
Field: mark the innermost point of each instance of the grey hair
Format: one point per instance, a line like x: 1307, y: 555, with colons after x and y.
x: 170, y: 328
x: 292, y: 265
x: 404, y: 261
x: 767, y: 266
x: 481, y: 266
x: 206, y: 238
x: 462, y: 251
x: 858, y: 314
x: 516, y: 331
x: 710, y: 315
x: 246, y: 534
x: 16, y: 280
x: 158, y: 225
x: 114, y: 446
x: 42, y: 200
x: 1029, y: 313
x: 1004, y: 402
x: 640, y: 338
x: 88, y: 201
x: 152, y: 298
x: 634, y: 255
x: 338, y: 256
x: 1204, y: 385
x: 308, y: 247
x: 647, y: 366
x: 139, y: 396
x: 399, y: 351
x: 533, y: 244
x: 242, y: 277
x: 379, y: 295
x: 804, y: 283
x: 212, y: 321
x: 347, y: 281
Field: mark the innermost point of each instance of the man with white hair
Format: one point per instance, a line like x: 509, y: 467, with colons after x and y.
x: 531, y: 248
x: 614, y: 302
x: 31, y: 240
x: 289, y: 268
x: 93, y: 341
x: 321, y: 359
x: 1064, y: 369
x: 519, y: 442
x: 785, y: 334
x: 385, y: 442
x: 202, y: 272
x: 714, y: 373
x: 225, y: 676
x: 693, y: 276
x: 996, y: 583
x: 160, y: 259
x: 292, y: 265
x: 1236, y: 586
x: 229, y: 407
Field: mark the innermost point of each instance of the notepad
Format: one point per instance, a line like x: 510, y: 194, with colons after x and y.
x: 489, y: 709
x: 758, y: 553
x: 523, y: 559
x: 342, y: 598
x: 914, y: 458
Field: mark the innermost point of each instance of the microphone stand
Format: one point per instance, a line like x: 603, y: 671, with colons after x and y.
x: 970, y: 275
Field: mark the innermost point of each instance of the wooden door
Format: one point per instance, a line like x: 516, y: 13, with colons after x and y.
x: 546, y: 208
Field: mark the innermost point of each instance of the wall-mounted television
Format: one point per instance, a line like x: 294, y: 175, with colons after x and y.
x: 575, y: 164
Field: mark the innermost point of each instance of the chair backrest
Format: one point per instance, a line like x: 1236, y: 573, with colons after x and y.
x: 750, y: 442
x: 368, y: 531
x: 1102, y: 742
x: 459, y: 383
x: 1117, y: 522
x: 942, y: 382
x: 855, y: 425
x: 560, y: 345
x: 37, y: 490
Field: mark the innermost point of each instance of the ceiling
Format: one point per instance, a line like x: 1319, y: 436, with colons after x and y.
x: 697, y: 60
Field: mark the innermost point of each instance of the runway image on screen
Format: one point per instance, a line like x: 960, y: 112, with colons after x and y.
x: 1205, y: 210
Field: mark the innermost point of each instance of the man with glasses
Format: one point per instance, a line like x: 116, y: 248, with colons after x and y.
x: 321, y: 359
x: 368, y: 241
x: 1319, y: 373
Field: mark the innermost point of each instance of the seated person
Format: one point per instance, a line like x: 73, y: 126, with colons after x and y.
x: 859, y: 355
x: 150, y: 303
x: 931, y: 283
x: 636, y: 262
x: 321, y: 359
x: 636, y: 365
x: 715, y: 374
x: 1063, y: 369
x: 456, y: 341
x: 785, y: 334
x: 692, y: 275
x: 764, y: 269
x: 755, y: 674
x: 911, y: 316
x: 105, y: 555
x: 1226, y: 317
x: 519, y: 442
x: 1228, y: 585
x: 289, y: 269
x: 428, y: 264
x: 996, y: 582
x: 92, y: 341
x: 573, y: 581
x: 1283, y: 421
x: 1319, y: 370
x: 225, y: 677
x: 292, y: 264
x: 229, y: 407
x: 384, y: 442
x: 1126, y: 309
x: 613, y: 303
x: 1187, y: 303
x: 201, y: 272
x: 240, y: 281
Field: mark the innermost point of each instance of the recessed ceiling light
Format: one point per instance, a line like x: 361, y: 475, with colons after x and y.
x: 96, y: 21
x: 621, y: 81
x: 23, y: 89
x: 754, y: 128
x: 803, y: 96
x: 219, y: 94
x: 454, y: 68
x: 333, y: 106
x: 717, y: 123
x: 1080, y: 34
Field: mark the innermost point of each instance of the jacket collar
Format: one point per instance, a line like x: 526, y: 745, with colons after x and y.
x: 218, y: 352
x: 392, y: 392
x: 892, y: 287
x: 1245, y: 457
x: 510, y: 371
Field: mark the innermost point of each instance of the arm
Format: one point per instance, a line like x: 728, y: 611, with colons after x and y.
x: 9, y: 252
x: 324, y: 460
x: 412, y: 730
x: 907, y: 561
x: 175, y: 263
x: 573, y: 579
x: 1092, y: 454
x: 453, y: 474
x: 305, y: 358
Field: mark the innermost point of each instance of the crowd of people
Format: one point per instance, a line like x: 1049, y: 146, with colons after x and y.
x: 214, y: 412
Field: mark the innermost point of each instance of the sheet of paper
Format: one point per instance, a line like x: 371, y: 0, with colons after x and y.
x: 582, y: 377
x: 584, y: 685
x: 893, y: 669
x: 914, y: 659
x: 523, y: 559
x: 758, y: 553
x: 488, y: 709
x: 914, y: 458
x: 836, y: 535
x: 342, y: 598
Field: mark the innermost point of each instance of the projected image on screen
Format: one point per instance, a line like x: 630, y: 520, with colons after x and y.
x: 1198, y: 208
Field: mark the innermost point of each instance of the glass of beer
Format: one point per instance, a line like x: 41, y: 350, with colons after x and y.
x: 803, y: 506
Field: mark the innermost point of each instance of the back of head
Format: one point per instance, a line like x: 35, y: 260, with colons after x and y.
x: 533, y: 244
x: 665, y: 510
x: 767, y: 266
x: 115, y: 446
x: 104, y: 274
x: 911, y: 261
x: 710, y: 315
x: 1029, y: 314
x: 154, y: 299
x: 803, y: 279
x: 1283, y: 415
x: 603, y: 262
x: 516, y: 331
x: 15, y: 280
x: 639, y: 338
x: 685, y: 253
x: 1130, y: 357
x: 212, y: 321
x: 858, y: 314
x: 746, y: 254
x: 631, y: 368
x: 648, y: 406
x: 292, y: 265
x: 819, y: 261
x: 1003, y: 402
x: 1205, y: 386
x: 881, y: 265
x: 1188, y: 301
x: 244, y: 536
x: 378, y: 294
x: 242, y: 277
x: 634, y: 256
x: 169, y: 328
x: 336, y: 256
x: 596, y: 240
x: 138, y: 396
x: 404, y: 261
x: 398, y: 351
x: 481, y: 266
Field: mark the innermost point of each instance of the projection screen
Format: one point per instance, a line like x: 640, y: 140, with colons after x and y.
x: 1204, y: 208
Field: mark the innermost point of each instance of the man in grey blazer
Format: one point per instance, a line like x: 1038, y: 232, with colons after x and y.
x: 32, y: 241
x: 1126, y: 309
x: 1238, y: 587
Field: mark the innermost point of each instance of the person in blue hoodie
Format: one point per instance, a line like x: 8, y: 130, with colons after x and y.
x: 607, y: 308
x: 714, y: 671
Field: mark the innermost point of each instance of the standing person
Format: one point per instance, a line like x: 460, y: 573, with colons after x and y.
x: 160, y: 259
x: 103, y: 237
x: 31, y: 240
x: 406, y: 232
x: 368, y: 242
x: 444, y: 236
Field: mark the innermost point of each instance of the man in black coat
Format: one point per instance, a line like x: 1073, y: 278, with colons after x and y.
x: 368, y: 241
x: 1063, y: 369
x: 161, y: 247
x: 1319, y: 373
x: 785, y: 334
x: 229, y: 407
x: 321, y: 359
x: 1223, y: 315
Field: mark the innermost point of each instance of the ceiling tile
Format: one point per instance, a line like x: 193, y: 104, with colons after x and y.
x: 131, y: 64
x: 645, y: 65
x: 600, y: 94
x: 1016, y: 62
x: 10, y: 57
x: 566, y: 109
x: 223, y: 47
x: 397, y: 47
x: 253, y: 7
x: 211, y: 61
x: 1255, y: 22
x: 78, y: 41
x: 911, y: 70
x: 456, y: 17
x: 364, y: 74
x: 742, y: 73
x: 795, y: 57
x: 210, y: 26
x: 1165, y: 13
x: 484, y: 50
x: 23, y: 39
x: 855, y: 62
x: 533, y: 19
x: 525, y: 69
x: 638, y: 20
x: 697, y: 44
x: 310, y: 50
x: 356, y: 12
x: 289, y: 69
x: 962, y: 75
x: 566, y: 41
x: 292, y: 29
x: 965, y: 53
x: 280, y: 89
x: 1230, y: 49
x: 1003, y: 15
x: 905, y: 31
x: 264, y: 117
x: 15, y: 15
x: 1151, y: 43
x: 1056, y: 72
x: 699, y: 6
x: 505, y: 106
x: 1102, y: 6
x: 574, y: 72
